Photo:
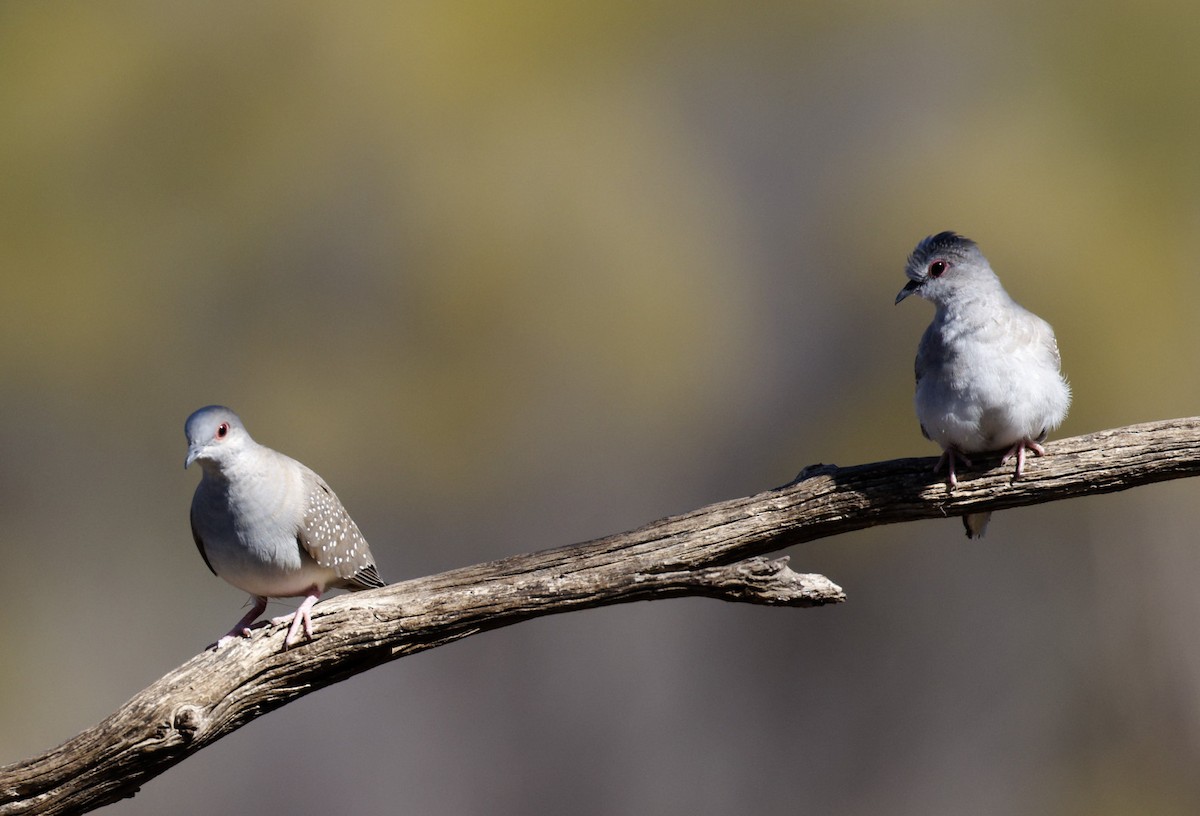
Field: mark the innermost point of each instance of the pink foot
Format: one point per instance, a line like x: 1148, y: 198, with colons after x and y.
x: 1018, y: 450
x: 947, y: 461
x: 242, y: 627
x: 301, y: 616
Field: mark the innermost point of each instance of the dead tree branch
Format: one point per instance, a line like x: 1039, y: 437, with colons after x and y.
x: 714, y: 551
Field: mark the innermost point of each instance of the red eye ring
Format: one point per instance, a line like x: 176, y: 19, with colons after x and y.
x: 938, y: 268
x: 222, y: 430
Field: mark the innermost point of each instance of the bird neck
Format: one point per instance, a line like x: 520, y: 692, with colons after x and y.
x: 974, y: 303
x: 230, y: 465
x: 213, y: 473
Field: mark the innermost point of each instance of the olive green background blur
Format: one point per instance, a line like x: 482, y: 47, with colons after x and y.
x: 512, y: 275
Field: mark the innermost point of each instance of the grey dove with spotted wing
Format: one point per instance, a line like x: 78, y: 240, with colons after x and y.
x: 269, y: 525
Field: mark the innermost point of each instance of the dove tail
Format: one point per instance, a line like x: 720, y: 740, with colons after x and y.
x: 976, y: 524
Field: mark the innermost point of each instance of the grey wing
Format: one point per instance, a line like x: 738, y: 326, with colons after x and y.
x: 332, y: 538
x: 198, y: 540
x: 1050, y: 342
x: 1027, y: 329
x: 926, y: 356
x: 368, y: 577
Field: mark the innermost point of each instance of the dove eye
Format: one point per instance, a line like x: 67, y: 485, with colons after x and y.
x: 222, y: 430
x: 937, y: 268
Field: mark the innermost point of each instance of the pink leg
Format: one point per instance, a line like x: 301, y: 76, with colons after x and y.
x: 300, y: 616
x: 241, y: 628
x: 947, y: 461
x: 1018, y: 450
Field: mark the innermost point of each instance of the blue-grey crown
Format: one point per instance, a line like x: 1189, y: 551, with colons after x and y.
x: 205, y: 420
x: 946, y: 244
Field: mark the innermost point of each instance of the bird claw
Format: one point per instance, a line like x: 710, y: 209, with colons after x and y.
x: 1018, y: 450
x: 242, y: 628
x: 225, y: 640
x: 301, y: 617
x: 947, y: 461
x: 296, y: 619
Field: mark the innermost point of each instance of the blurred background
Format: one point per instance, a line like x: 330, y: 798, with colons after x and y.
x: 513, y: 275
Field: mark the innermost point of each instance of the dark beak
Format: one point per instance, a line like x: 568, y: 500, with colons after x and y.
x: 908, y: 289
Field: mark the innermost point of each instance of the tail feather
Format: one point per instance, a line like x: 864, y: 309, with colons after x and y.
x: 976, y: 524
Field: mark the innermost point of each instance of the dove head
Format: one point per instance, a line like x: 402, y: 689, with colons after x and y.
x: 946, y: 266
x: 215, y: 435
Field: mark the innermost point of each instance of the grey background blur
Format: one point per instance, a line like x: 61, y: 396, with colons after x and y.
x: 513, y: 275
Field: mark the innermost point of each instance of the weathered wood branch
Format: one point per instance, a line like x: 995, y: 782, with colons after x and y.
x: 713, y: 551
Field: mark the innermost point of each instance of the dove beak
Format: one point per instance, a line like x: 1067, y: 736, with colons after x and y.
x: 908, y: 289
x: 192, y: 456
